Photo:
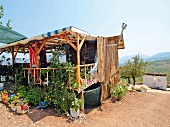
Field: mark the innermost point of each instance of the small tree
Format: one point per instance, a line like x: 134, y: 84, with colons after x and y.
x: 125, y: 71
x: 138, y: 68
x: 133, y: 69
x: 2, y: 15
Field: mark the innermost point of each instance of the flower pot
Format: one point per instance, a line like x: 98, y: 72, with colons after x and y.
x: 22, y: 109
x: 1, y: 86
x: 74, y: 113
x: 139, y: 90
x: 42, y: 105
x: 14, y: 108
x: 12, y: 95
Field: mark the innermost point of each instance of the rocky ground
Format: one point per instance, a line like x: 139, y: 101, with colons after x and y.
x: 138, y: 109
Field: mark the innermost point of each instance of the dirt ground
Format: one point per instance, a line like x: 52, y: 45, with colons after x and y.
x: 137, y: 109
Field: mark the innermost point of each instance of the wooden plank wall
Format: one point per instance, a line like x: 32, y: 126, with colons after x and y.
x: 101, y: 58
x: 108, y: 65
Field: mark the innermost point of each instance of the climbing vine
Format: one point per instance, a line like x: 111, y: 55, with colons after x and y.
x: 60, y: 91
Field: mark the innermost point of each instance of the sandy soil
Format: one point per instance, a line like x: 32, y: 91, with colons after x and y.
x: 137, y: 109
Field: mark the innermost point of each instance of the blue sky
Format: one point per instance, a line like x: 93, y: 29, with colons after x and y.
x: 148, y: 20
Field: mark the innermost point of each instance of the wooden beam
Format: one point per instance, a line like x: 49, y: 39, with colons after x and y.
x: 36, y: 56
x: 42, y: 45
x: 11, y: 49
x: 78, y: 60
x: 16, y: 52
x: 81, y: 43
x: 82, y: 98
x: 32, y: 49
x: 72, y: 45
x: 2, y: 51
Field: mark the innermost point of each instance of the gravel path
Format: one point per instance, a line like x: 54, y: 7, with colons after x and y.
x: 136, y: 109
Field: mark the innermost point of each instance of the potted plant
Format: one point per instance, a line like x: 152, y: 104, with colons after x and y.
x: 22, y: 106
x: 13, y: 105
x: 12, y: 101
x: 75, y: 107
x: 42, y: 104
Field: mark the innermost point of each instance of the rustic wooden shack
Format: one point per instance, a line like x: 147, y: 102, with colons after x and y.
x: 83, y: 47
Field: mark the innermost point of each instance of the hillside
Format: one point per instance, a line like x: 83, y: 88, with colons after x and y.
x: 156, y: 57
x: 161, y: 66
x: 159, y: 56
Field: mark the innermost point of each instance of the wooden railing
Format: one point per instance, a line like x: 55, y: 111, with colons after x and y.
x: 87, y: 78
x: 36, y: 75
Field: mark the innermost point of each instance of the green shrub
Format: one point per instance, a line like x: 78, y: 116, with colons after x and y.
x: 34, y: 96
x: 119, y: 91
x: 76, y: 104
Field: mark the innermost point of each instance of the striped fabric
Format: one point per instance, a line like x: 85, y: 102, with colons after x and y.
x: 55, y: 32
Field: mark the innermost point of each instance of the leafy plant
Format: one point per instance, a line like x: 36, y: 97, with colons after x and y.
x: 31, y: 93
x: 4, y: 92
x: 84, y: 73
x: 22, y: 91
x: 76, y: 104
x: 119, y: 91
x: 21, y: 102
x: 20, y: 79
x: 60, y: 92
x: 34, y: 96
x: 11, y: 99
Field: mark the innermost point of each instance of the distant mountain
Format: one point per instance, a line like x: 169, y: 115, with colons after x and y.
x: 122, y: 60
x: 156, y: 57
x: 159, y: 56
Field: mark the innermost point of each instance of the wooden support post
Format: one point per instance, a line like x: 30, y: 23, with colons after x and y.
x: 32, y: 49
x: 37, y: 55
x: 40, y: 76
x: 85, y: 72
x: 12, y: 53
x: 24, y: 73
x: 16, y: 52
x: 41, y: 47
x: 82, y: 98
x: 11, y: 49
x: 47, y: 78
x: 81, y: 43
x: 34, y: 75
x: 78, y: 61
x: 29, y: 76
